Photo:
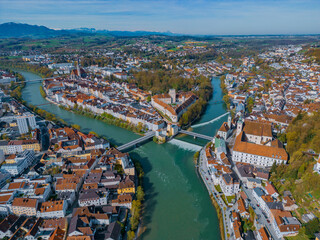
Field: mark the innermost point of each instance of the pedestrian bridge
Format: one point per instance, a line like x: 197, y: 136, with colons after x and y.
x: 196, y: 135
x: 136, y: 141
x: 152, y: 134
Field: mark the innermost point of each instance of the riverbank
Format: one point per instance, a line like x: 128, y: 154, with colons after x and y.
x: 19, y: 65
x: 226, y: 98
x: 106, y: 118
x: 217, y: 202
x: 220, y: 217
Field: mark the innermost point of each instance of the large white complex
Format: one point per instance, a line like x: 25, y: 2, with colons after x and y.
x: 173, y: 105
x: 254, y: 144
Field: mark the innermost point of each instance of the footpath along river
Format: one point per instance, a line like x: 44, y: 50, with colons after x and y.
x: 177, y: 204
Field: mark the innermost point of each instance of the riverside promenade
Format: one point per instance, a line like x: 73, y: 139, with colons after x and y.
x: 206, y: 178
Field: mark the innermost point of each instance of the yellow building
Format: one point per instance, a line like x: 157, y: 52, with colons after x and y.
x: 31, y: 144
x: 11, y: 159
x: 126, y: 186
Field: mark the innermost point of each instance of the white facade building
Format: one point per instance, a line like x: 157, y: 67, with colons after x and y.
x: 22, y: 162
x: 25, y: 121
x: 229, y: 184
x: 53, y: 209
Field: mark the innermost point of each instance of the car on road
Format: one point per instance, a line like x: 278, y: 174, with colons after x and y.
x: 268, y: 220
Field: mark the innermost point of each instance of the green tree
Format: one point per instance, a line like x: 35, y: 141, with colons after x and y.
x: 140, y: 193
x: 135, y: 214
x: 250, y: 104
x: 94, y: 133
x: 76, y: 126
x: 131, y: 235
x: 312, y: 227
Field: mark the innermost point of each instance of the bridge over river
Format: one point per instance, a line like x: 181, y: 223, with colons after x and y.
x: 136, y: 141
x: 152, y: 134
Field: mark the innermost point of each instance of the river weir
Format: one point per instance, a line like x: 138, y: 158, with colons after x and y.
x: 177, y: 204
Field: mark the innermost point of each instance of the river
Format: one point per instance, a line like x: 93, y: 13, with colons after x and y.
x: 177, y: 204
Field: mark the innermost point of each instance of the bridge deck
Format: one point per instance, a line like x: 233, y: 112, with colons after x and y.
x: 136, y: 141
x: 198, y: 135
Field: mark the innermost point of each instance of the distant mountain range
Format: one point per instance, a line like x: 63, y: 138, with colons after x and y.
x: 124, y: 33
x: 22, y: 30
x: 19, y: 30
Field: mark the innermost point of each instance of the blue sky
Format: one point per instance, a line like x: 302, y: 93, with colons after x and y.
x: 184, y: 16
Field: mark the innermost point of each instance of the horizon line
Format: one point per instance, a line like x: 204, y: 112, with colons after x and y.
x: 79, y: 29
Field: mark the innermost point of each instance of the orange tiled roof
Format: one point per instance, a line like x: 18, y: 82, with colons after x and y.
x: 52, y: 206
x: 25, y: 202
x: 257, y: 128
x: 260, y: 150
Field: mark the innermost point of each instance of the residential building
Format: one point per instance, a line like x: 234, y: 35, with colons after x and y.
x: 17, y: 164
x: 52, y: 209
x: 126, y: 186
x: 93, y: 197
x: 229, y: 184
x: 26, y: 122
x: 284, y: 224
x: 25, y: 206
x: 262, y: 234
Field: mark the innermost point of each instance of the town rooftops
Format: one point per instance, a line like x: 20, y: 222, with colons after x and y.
x: 58, y: 234
x: 263, y: 234
x: 259, y: 191
x: 25, y: 202
x: 230, y: 179
x: 88, y: 195
x: 270, y: 189
x: 224, y: 127
x: 257, y: 128
x: 52, y: 206
x: 241, y: 206
x: 8, y: 222
x: 54, y: 223
x: 285, y: 221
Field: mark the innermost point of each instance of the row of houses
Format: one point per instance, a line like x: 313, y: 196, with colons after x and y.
x: 118, y: 100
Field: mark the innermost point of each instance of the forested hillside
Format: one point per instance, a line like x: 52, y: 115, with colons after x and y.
x: 302, y: 138
x: 314, y: 52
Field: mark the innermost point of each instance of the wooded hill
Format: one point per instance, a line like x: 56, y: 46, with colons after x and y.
x: 302, y: 138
